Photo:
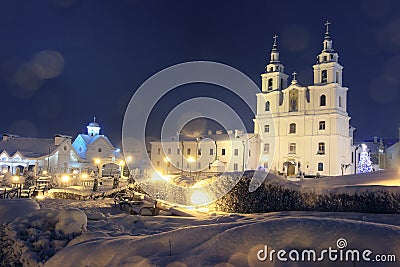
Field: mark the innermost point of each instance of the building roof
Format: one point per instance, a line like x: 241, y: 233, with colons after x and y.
x: 91, y: 139
x: 93, y: 124
x: 28, y: 147
x: 214, y: 137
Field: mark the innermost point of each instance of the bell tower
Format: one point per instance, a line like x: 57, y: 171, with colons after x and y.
x: 327, y: 69
x: 274, y: 77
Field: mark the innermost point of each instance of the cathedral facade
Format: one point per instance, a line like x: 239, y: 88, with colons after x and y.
x: 305, y: 129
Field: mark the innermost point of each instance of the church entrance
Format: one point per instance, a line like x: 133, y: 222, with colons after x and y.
x: 290, y: 167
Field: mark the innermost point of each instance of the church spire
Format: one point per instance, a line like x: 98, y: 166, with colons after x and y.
x: 327, y: 69
x: 294, y: 80
x: 327, y: 34
x: 274, y: 52
x: 274, y: 77
x: 327, y: 40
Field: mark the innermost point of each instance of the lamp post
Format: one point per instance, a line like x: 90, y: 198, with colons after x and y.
x: 97, y: 161
x: 128, y: 160
x: 166, y: 160
x: 121, y: 164
x: 244, y: 151
x: 190, y: 160
x: 183, y: 148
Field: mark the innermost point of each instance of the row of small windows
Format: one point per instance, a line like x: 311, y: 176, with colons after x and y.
x: 223, y: 151
x: 292, y: 127
x: 322, y: 102
x: 292, y: 148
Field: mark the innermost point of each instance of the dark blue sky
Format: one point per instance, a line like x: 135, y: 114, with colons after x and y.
x: 110, y: 47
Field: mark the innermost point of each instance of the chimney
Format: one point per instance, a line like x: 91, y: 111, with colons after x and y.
x: 375, y: 139
x: 58, y: 139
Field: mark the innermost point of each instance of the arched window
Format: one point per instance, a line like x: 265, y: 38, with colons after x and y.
x: 324, y: 76
x: 269, y: 83
x: 267, y: 106
x: 322, y: 101
x: 292, y: 128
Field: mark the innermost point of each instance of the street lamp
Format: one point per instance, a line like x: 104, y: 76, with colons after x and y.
x: 129, y: 159
x: 190, y: 160
x: 121, y: 164
x: 97, y: 161
x: 166, y: 160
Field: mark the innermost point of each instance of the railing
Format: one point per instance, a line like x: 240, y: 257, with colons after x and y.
x: 10, y: 193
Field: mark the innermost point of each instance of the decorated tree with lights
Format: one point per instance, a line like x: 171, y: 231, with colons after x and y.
x: 364, y: 164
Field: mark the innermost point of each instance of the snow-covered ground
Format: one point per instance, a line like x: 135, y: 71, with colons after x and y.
x: 62, y: 232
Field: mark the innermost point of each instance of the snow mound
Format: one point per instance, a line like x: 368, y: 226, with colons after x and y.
x: 234, y: 243
x: 33, y: 238
x: 13, y: 208
x: 71, y: 221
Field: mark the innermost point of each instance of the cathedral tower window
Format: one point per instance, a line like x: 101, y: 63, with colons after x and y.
x: 321, y: 148
x: 270, y: 84
x: 266, y: 128
x: 324, y: 76
x: 267, y: 106
x: 321, y: 125
x: 292, y: 128
x: 322, y: 101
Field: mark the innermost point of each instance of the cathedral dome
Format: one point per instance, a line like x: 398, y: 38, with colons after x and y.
x: 93, y: 124
x: 93, y: 128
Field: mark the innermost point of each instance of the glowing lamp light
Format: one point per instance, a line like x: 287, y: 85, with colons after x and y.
x: 15, y: 179
x: 97, y: 161
x: 121, y: 163
x: 191, y: 159
x: 4, y: 171
x: 65, y: 178
x: 41, y: 197
x: 157, y: 176
x: 84, y: 176
x: 44, y: 172
x: 129, y: 159
x: 200, y: 198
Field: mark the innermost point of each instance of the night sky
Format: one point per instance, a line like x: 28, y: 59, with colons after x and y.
x: 64, y: 61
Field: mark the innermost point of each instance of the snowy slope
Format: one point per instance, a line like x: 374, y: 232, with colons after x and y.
x: 236, y: 240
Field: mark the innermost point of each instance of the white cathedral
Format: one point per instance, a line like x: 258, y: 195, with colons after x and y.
x: 305, y: 128
x: 298, y: 129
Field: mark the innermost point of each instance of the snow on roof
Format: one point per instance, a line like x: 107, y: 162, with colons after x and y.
x: 91, y: 139
x: 27, y: 146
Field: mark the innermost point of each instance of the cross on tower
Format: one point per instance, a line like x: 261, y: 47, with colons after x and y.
x: 275, y: 38
x: 294, y: 75
x: 327, y: 23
